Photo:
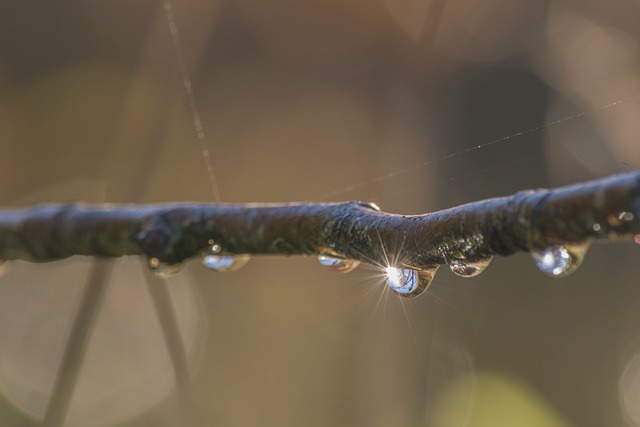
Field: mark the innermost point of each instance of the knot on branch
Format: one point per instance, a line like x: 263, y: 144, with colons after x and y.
x: 175, y: 234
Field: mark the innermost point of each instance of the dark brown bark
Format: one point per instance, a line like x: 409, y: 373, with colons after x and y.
x: 605, y: 209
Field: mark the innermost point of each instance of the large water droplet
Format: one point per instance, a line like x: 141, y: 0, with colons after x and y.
x: 163, y: 269
x: 408, y: 283
x: 340, y: 265
x: 223, y: 263
x: 560, y: 261
x: 464, y: 268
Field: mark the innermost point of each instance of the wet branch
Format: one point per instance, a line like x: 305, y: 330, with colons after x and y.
x: 605, y: 209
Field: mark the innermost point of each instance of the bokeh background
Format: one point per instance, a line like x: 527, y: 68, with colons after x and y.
x: 378, y: 100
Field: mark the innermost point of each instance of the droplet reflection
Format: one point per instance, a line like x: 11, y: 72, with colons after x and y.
x: 560, y: 261
x: 223, y: 263
x: 214, y: 247
x: 617, y: 220
x: 339, y: 265
x: 408, y: 283
x: 211, y: 259
x: 465, y: 268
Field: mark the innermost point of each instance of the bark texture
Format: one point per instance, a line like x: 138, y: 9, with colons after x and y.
x: 605, y: 209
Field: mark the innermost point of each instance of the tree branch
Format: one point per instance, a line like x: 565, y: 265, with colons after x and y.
x: 605, y: 209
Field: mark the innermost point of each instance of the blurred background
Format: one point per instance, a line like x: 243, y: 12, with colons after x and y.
x: 378, y: 100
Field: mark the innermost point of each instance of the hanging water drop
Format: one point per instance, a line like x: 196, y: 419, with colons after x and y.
x: 339, y: 265
x: 223, y: 263
x: 164, y: 270
x: 560, y: 261
x: 464, y: 268
x: 408, y: 283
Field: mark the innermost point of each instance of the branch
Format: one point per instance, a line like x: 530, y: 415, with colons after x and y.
x: 605, y: 209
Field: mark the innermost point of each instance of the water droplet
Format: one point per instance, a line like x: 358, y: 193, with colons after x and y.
x: 408, y: 283
x: 370, y: 205
x: 616, y: 220
x: 223, y: 263
x: 339, y: 265
x: 214, y: 247
x: 625, y: 216
x: 163, y: 269
x: 560, y: 261
x: 465, y: 268
x: 596, y: 227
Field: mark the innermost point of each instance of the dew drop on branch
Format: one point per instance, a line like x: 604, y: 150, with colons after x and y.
x: 370, y: 205
x: 560, y: 261
x: 464, y: 268
x: 619, y: 219
x: 408, y: 283
x: 212, y: 259
x: 339, y: 265
x: 224, y: 263
x: 164, y: 270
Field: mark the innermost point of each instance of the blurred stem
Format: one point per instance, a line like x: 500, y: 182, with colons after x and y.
x: 66, y: 380
x: 605, y: 209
